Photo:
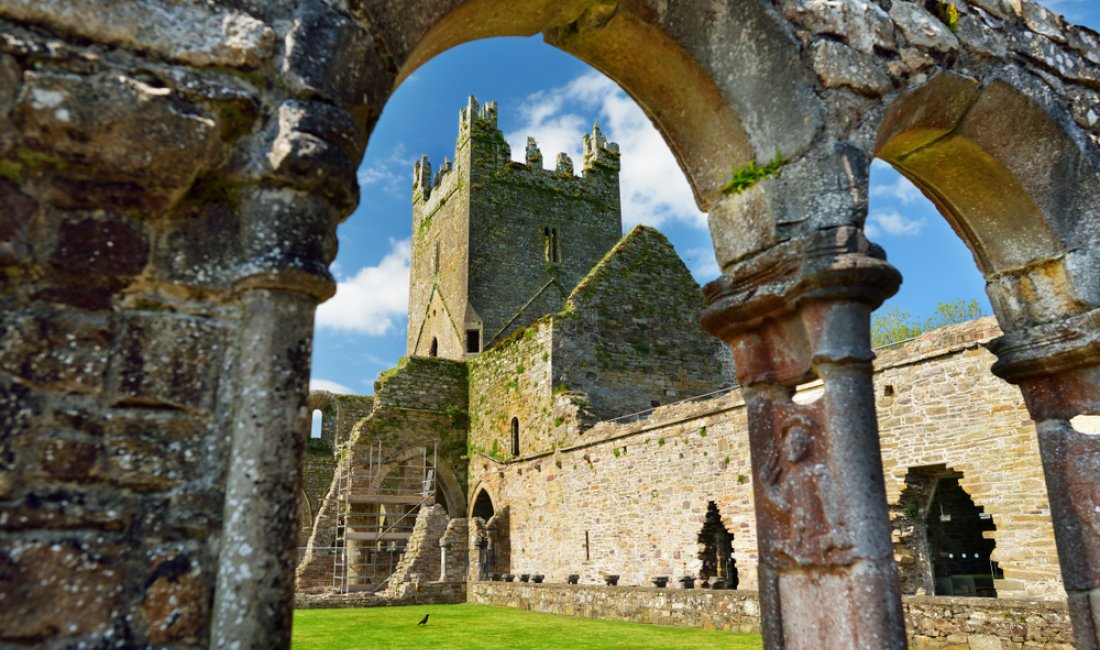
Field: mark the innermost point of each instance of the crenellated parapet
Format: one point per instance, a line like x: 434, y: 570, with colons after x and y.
x: 482, y: 151
x: 598, y: 152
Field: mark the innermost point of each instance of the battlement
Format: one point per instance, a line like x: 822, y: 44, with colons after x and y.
x: 481, y: 147
x: 475, y: 116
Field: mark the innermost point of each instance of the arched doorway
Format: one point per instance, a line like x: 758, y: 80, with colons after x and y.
x: 719, y: 570
x: 944, y: 540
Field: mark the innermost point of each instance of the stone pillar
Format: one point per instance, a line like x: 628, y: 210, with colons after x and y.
x: 289, y: 238
x: 795, y: 312
x: 1057, y: 368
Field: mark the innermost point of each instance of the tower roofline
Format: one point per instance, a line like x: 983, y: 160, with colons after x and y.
x: 476, y: 119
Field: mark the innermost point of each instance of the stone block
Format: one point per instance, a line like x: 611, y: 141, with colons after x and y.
x: 313, y: 67
x: 91, y: 245
x: 70, y: 460
x: 50, y: 590
x: 175, y: 607
x: 154, y: 452
x: 196, y: 33
x: 167, y: 360
x: 921, y: 29
x: 839, y: 65
x: 316, y: 146
x: 16, y: 211
x: 115, y: 127
x: 57, y: 350
x: 863, y: 24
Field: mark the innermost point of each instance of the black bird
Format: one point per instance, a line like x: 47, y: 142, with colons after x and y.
x: 424, y: 621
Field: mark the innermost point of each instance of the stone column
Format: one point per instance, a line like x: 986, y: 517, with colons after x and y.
x: 1057, y: 367
x: 799, y: 311
x: 289, y: 237
x: 444, y: 547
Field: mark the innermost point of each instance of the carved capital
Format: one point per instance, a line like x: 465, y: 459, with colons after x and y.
x: 800, y: 304
x: 1048, y: 349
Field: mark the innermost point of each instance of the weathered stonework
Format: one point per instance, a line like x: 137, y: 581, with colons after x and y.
x: 638, y: 491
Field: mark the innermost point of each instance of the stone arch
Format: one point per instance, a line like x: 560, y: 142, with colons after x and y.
x: 1004, y: 167
x: 453, y: 497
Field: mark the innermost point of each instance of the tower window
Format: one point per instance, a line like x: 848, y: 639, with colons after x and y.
x: 434, y: 350
x: 435, y: 259
x: 515, y: 436
x: 473, y: 340
x: 553, y: 252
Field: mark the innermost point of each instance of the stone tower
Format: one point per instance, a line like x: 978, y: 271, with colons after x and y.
x: 498, y: 244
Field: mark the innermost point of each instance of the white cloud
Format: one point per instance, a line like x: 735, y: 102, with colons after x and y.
x: 900, y: 190
x: 390, y: 173
x: 893, y: 223
x: 654, y: 189
x: 330, y: 386
x: 370, y: 301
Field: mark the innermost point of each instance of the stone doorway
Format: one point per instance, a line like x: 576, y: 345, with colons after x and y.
x: 943, y: 540
x: 719, y: 570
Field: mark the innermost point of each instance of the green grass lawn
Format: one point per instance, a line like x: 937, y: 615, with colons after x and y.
x: 478, y: 626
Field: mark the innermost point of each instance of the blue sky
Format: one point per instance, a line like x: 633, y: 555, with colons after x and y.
x: 554, y: 97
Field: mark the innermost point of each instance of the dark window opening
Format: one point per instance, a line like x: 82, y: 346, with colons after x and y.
x: 433, y: 351
x: 942, y: 535
x: 515, y: 436
x: 553, y: 252
x: 483, y: 506
x: 473, y: 340
x: 719, y: 569
x: 435, y: 259
x: 888, y: 391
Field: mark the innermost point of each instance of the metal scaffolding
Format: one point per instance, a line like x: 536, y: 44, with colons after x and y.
x: 378, y: 502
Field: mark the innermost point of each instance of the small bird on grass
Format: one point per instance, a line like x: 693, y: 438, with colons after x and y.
x: 424, y: 621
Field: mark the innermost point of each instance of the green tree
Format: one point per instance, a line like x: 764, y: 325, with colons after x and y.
x: 891, y: 326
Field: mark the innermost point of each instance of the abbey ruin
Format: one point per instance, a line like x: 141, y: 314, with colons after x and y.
x: 171, y: 178
x: 552, y: 424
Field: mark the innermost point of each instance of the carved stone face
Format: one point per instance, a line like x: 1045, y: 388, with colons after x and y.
x: 796, y: 443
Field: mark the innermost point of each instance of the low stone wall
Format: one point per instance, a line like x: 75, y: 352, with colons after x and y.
x: 932, y: 621
x: 987, y: 623
x: 423, y: 593
x: 737, y: 611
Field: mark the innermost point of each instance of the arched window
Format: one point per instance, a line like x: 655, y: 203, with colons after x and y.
x: 434, y: 350
x: 483, y: 506
x: 515, y: 436
x: 315, y: 425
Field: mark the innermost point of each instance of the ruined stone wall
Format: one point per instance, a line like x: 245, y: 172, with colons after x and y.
x: 641, y: 489
x: 939, y: 404
x: 422, y: 402
x: 422, y: 560
x: 513, y: 380
x: 628, y: 338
